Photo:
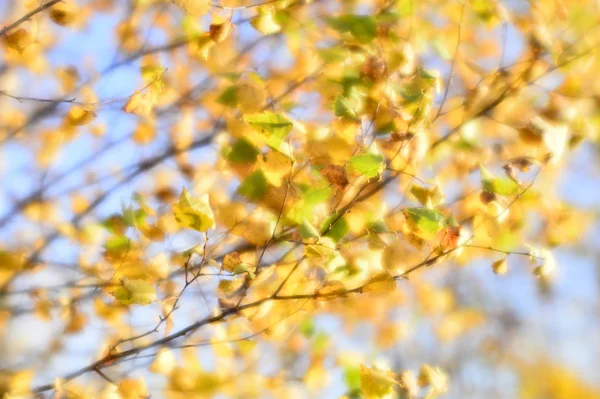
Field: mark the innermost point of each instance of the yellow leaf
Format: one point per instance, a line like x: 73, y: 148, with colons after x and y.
x: 226, y: 304
x: 381, y: 283
x: 64, y: 12
x: 428, y: 197
x: 219, y: 32
x: 193, y: 213
x: 51, y: 142
x: 43, y: 308
x: 265, y: 21
x: 194, y: 7
x: 201, y: 46
x: 331, y: 289
x: 78, y: 116
x: 135, y: 292
x: 500, y: 266
x: 250, y: 97
x: 164, y: 362
x: 394, y: 255
x: 231, y: 261
x: 79, y: 203
x: 141, y: 103
x: 68, y: 78
x: 275, y: 166
x: 254, y: 230
x: 10, y: 261
x: 128, y: 35
x: 376, y: 383
x: 458, y: 323
x: 435, y: 378
x: 18, y: 39
x: 108, y: 312
x: 77, y: 321
x: 40, y: 211
x: 16, y: 383
x: 144, y: 133
x: 408, y: 383
x: 132, y: 389
x: 230, y: 214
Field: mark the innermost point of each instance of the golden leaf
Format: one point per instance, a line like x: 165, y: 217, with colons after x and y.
x: 18, y: 39
x: 64, y: 13
x: 141, y: 103
x: 435, y: 378
x: 77, y: 321
x: 381, y: 283
x: 132, y: 389
x: 144, y: 133
x: 331, y: 289
x: 79, y: 116
x: 376, y: 383
x: 219, y: 32
x: 164, y: 362
x: 500, y: 266
x: 193, y: 213
x: 231, y: 261
x: 135, y: 292
x: 265, y: 21
x: 194, y: 7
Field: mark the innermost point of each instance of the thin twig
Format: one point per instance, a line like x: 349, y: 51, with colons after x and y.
x: 27, y: 16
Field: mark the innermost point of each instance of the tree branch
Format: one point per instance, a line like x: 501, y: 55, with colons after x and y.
x: 28, y: 15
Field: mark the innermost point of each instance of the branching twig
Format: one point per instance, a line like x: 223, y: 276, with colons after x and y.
x: 27, y: 16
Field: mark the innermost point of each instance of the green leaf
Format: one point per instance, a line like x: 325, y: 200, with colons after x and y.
x: 411, y: 93
x: 332, y: 54
x: 307, y: 230
x: 117, y: 244
x: 243, y: 151
x: 362, y: 27
x: 308, y: 328
x: 270, y: 123
x: 316, y: 196
x: 343, y: 107
x: 497, y: 185
x: 311, y: 197
x: 244, y: 268
x: 228, y: 97
x: 377, y: 227
x: 369, y: 165
x: 425, y: 222
x: 193, y: 213
x: 352, y: 377
x: 231, y: 76
x: 135, y: 292
x: 335, y: 227
x: 320, y: 342
x: 254, y: 186
x: 133, y: 217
